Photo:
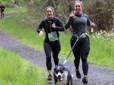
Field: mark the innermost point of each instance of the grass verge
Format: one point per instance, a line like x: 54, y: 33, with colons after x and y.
x: 17, y: 71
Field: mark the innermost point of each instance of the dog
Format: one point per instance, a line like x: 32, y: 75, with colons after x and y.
x: 62, y: 75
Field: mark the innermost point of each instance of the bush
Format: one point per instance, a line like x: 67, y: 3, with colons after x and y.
x: 102, y: 13
x: 36, y: 8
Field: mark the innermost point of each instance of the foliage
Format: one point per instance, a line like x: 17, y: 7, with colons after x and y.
x: 102, y: 13
x: 13, y: 3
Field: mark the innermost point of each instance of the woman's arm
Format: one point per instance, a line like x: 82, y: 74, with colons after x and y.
x: 58, y: 26
x: 68, y: 24
x: 40, y: 28
x: 69, y: 20
x: 90, y: 22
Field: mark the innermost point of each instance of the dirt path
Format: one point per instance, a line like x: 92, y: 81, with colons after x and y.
x: 97, y: 75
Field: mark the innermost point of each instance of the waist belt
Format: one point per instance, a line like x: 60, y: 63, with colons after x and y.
x: 83, y: 35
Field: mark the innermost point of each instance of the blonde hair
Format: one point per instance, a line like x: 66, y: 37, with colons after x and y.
x: 50, y: 7
x: 78, y: 2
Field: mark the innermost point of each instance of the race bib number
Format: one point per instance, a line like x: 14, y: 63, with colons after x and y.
x: 52, y: 36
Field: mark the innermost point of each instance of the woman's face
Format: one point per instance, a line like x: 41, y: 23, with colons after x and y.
x: 78, y: 7
x: 49, y: 12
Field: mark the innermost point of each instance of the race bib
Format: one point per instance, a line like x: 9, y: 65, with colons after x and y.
x: 52, y: 36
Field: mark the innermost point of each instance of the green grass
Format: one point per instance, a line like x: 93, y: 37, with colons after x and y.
x: 102, y: 50
x: 15, y: 10
x: 16, y: 71
x: 16, y: 27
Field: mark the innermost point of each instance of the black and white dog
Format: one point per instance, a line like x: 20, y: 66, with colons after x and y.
x: 62, y: 75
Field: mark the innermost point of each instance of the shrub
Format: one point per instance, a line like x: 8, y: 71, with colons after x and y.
x: 102, y: 13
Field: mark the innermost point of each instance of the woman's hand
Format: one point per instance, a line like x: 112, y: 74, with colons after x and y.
x: 93, y: 24
x: 71, y: 14
x: 53, y: 25
x: 40, y: 33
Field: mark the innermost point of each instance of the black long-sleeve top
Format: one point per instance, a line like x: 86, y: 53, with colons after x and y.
x: 2, y: 7
x: 46, y: 24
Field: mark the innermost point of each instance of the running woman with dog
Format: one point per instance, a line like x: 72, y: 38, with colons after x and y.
x: 51, y: 25
x: 78, y: 22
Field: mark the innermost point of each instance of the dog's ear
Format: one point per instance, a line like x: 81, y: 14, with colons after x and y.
x: 62, y: 66
x: 55, y: 69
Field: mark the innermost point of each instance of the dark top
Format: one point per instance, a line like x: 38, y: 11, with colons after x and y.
x: 78, y: 24
x: 46, y: 24
x: 2, y: 7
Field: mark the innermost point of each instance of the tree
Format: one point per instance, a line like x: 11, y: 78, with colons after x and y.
x: 102, y: 13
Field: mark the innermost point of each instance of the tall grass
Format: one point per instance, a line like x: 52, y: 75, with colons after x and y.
x: 16, y: 71
x: 102, y: 49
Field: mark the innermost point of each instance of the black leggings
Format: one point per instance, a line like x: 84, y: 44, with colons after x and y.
x: 2, y: 12
x: 51, y: 48
x: 81, y: 50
